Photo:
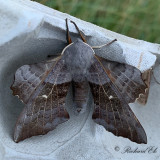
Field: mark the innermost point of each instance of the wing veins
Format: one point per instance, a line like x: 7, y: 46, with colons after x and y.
x: 32, y: 82
x: 128, y: 79
x: 45, y: 77
x: 108, y: 98
x: 119, y: 93
x: 45, y: 100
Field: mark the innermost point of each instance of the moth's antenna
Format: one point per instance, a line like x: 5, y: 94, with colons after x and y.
x: 68, y: 37
x: 80, y: 32
x: 98, y: 47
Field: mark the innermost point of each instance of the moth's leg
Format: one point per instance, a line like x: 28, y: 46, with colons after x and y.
x: 68, y: 37
x: 80, y: 32
x: 98, y: 47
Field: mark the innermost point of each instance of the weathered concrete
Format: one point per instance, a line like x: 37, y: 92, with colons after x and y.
x: 28, y: 33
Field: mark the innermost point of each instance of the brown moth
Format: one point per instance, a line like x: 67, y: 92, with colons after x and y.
x: 43, y: 88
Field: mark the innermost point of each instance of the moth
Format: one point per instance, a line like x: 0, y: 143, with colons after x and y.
x: 43, y: 88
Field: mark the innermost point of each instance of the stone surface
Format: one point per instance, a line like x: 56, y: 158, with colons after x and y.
x: 28, y: 33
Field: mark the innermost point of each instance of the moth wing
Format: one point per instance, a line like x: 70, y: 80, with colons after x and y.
x: 45, y: 101
x: 146, y: 76
x: 28, y: 77
x: 127, y: 79
x: 111, y: 109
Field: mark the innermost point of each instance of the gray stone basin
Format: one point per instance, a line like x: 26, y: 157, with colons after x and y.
x: 29, y: 32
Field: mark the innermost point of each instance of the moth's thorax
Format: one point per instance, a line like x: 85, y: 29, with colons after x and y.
x: 78, y: 58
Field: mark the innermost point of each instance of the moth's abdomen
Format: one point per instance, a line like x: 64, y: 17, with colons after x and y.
x: 80, y: 94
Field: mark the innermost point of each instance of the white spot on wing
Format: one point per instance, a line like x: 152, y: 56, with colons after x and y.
x: 110, y: 97
x: 44, y: 96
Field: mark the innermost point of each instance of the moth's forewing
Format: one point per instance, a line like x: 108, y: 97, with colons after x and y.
x: 111, y: 109
x: 146, y: 76
x: 28, y: 77
x: 43, y: 88
x: 126, y: 78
